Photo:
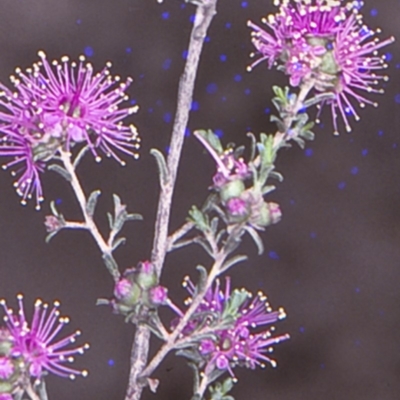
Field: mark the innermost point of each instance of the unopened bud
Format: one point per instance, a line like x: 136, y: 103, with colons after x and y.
x: 158, y: 295
x: 52, y: 223
x: 147, y: 277
x: 232, y: 189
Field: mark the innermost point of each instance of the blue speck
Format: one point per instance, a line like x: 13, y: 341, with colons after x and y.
x: 228, y: 25
x: 132, y: 102
x: 380, y: 133
x: 374, y: 12
x: 150, y: 110
x: 308, y: 152
x: 165, y: 15
x: 302, y: 329
x: 341, y: 185
x: 111, y: 362
x: 184, y: 54
x: 247, y: 91
x: 219, y: 133
x: 313, y: 235
x: 292, y: 202
x: 223, y: 57
x: 128, y: 50
x: 223, y: 98
x: 267, y: 110
x: 58, y: 201
x: 207, y: 39
x: 167, y: 117
x: 89, y: 52
x: 397, y: 98
x: 364, y: 152
x: 357, y: 290
x: 348, y: 111
x: 211, y: 88
x: 388, y: 56
x: 394, y: 146
x: 354, y: 171
x: 195, y: 106
x: 167, y: 149
x: 191, y: 18
x: 167, y: 64
x: 238, y: 78
x: 273, y: 255
x: 78, y: 21
x: 244, y: 4
x: 187, y: 132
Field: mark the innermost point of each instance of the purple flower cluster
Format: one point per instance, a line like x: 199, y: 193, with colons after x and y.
x: 243, y: 343
x: 325, y: 41
x: 55, y: 106
x: 34, y: 344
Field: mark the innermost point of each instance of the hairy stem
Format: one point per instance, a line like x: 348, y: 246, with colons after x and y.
x: 203, y: 386
x: 174, y: 336
x: 204, y: 14
x: 89, y: 223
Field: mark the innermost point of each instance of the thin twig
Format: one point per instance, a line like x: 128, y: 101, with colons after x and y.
x: 203, y: 385
x: 204, y: 14
x: 281, y: 137
x: 175, y: 335
x: 89, y: 223
x: 178, y: 234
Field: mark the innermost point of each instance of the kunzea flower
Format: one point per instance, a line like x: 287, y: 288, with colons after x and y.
x: 246, y: 342
x: 57, y: 105
x: 35, y: 343
x: 326, y: 42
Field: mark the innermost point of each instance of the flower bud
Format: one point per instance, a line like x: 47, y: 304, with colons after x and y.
x: 52, y: 223
x: 267, y: 214
x: 147, y: 276
x: 126, y: 292
x: 232, y: 189
x: 158, y: 295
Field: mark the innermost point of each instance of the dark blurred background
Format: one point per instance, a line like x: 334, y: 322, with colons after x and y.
x: 333, y: 260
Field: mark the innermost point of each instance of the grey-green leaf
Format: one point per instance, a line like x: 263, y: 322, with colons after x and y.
x: 92, y: 202
x: 162, y: 166
x: 60, y: 170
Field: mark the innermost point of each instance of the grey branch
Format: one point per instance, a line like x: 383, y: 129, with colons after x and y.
x: 204, y: 14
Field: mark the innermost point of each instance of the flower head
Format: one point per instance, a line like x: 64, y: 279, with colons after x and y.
x: 242, y: 343
x: 56, y: 106
x: 35, y: 343
x: 327, y: 42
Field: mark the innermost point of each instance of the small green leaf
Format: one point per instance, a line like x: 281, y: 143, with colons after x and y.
x: 60, y: 170
x: 256, y: 238
x: 118, y: 242
x: 211, y: 138
x: 162, y: 166
x: 50, y: 236
x: 203, y: 275
x: 54, y: 208
x: 232, y: 261
x: 80, y: 155
x: 199, y: 219
x: 92, y: 202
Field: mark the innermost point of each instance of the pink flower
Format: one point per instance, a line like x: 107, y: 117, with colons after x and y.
x: 325, y: 41
x: 60, y: 105
x: 243, y: 343
x: 35, y: 344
